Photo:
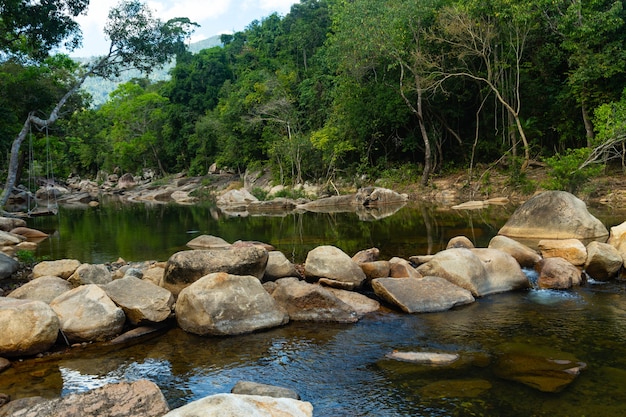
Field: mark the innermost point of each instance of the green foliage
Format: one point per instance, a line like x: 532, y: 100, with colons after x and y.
x: 259, y: 193
x: 292, y: 193
x: 401, y: 175
x: 26, y: 257
x: 565, y: 172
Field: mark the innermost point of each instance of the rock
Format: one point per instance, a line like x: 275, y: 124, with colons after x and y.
x: 63, y: 268
x: 31, y: 246
x: 126, y: 181
x: 236, y: 198
x: 142, y: 301
x: 154, y: 274
x: 183, y: 197
x: 138, y: 334
x: 311, y: 302
x: 401, y: 268
x: 525, y: 256
x: 184, y: 268
x: 140, y: 398
x: 378, y: 269
x: 617, y: 239
x: 360, y: 303
x: 208, y: 242
x: 367, y: 255
x: 421, y: 295
x: 330, y: 204
x: 460, y: 242
x: 87, y: 314
x: 8, y: 266
x: 43, y: 289
x: 10, y: 239
x: 254, y: 388
x: 557, y: 274
x: 470, y: 205
x: 27, y: 327
x: 235, y: 405
x: 374, y: 196
x: 537, y: 367
x: 9, y: 223
x: 572, y: 250
x: 278, y: 266
x: 90, y: 274
x: 334, y: 266
x: 428, y: 358
x: 480, y: 271
x: 223, y: 304
x: 553, y: 215
x: 4, y: 365
x: 603, y: 261
x: 29, y: 233
x: 12, y: 408
x: 276, y: 205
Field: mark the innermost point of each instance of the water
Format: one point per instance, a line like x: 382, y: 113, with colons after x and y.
x: 342, y: 369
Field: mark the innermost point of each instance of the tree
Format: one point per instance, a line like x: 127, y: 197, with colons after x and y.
x: 137, y: 40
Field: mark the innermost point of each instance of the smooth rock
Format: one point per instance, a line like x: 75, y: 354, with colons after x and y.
x: 377, y: 269
x: 8, y: 266
x: 335, y: 266
x: 428, y: 358
x: 10, y: 239
x: 9, y: 223
x: 401, y: 268
x: 360, y: 303
x: 278, y: 266
x: 603, y: 261
x: 557, y: 274
x: 460, y: 242
x: 29, y: 233
x: 236, y: 405
x: 43, y: 289
x: 617, y: 239
x: 90, y: 274
x: 208, y: 242
x: 525, y: 256
x: 366, y: 255
x: 572, y: 250
x: 62, y: 268
x: 374, y: 196
x: 27, y: 327
x: 142, y: 301
x: 265, y: 390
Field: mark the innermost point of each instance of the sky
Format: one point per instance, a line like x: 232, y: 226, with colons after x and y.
x: 214, y: 17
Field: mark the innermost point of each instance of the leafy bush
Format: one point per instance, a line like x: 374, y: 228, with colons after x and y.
x: 565, y: 172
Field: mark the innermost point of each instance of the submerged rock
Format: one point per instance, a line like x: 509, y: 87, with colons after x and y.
x: 254, y: 388
x: 428, y: 358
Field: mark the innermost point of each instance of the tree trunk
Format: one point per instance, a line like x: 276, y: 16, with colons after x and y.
x: 588, y: 126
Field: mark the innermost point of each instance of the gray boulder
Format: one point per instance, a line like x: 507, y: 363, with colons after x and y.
x: 8, y: 266
x: 90, y: 274
x: 421, y: 295
x: 235, y: 405
x: 278, y: 266
x: 43, y: 289
x: 375, y: 196
x: 142, y: 301
x: 222, y: 304
x: 333, y: 267
x: 360, y: 303
x: 525, y: 256
x: 27, y: 327
x: 554, y: 215
x: 9, y: 223
x: 603, y: 261
x: 62, y: 268
x: 10, y: 239
x: 87, y: 314
x: 186, y: 267
x: 208, y: 242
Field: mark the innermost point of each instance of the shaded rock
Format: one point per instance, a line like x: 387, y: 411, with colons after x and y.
x: 557, y: 274
x: 456, y: 388
x: 553, y: 215
x: 366, y: 255
x: 401, y: 268
x: 90, y: 274
x: 428, y: 358
x: 29, y: 233
x: 254, y: 388
x: 335, y: 266
x: 276, y: 205
x: 62, y: 268
x: 184, y: 268
x: 139, y: 334
x: 208, y: 242
x: 141, y: 300
x: 332, y: 204
x: 374, y: 196
x: 460, y: 242
x: 27, y: 327
x: 540, y: 368
x: 525, y: 256
x: 4, y: 364
x: 87, y: 314
x: 223, y: 304
x: 572, y: 250
x: 183, y: 197
x: 421, y: 295
x: 360, y: 303
x: 311, y: 302
x: 43, y: 289
x: 278, y: 266
x: 231, y: 405
x: 141, y: 398
x: 126, y: 181
x: 9, y: 223
x: 18, y: 404
x: 603, y: 261
x: 420, y: 259
x: 8, y: 266
x: 378, y: 269
x: 10, y: 239
x: 31, y: 246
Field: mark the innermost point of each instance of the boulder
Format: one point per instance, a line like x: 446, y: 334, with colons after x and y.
x: 525, y: 256
x: 278, y: 266
x: 43, y: 289
x: 276, y: 205
x: 8, y: 266
x: 311, y: 302
x: 572, y: 250
x: 154, y: 273
x: 183, y: 197
x: 426, y: 358
x: 236, y: 198
x: 90, y: 274
x: 62, y: 268
x: 234, y: 405
x: 142, y: 301
x: 553, y: 215
x: 208, y: 242
x: 503, y: 271
x: 603, y: 261
x: 333, y: 267
x: 10, y: 239
x: 254, y: 388
x: 29, y: 233
x: 360, y: 303
x: 27, y: 327
x: 374, y: 196
x: 557, y: 274
x: 401, y: 268
x: 377, y: 269
x: 460, y: 242
x: 184, y: 268
x: 421, y: 295
x: 87, y: 314
x: 222, y: 304
x: 334, y: 204
x: 126, y: 181
x: 140, y: 398
x: 617, y: 239
x: 366, y: 255
x: 9, y: 223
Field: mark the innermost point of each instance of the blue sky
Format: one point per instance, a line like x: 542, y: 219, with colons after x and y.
x: 213, y: 16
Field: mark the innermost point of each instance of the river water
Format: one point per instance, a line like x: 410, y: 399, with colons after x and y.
x: 342, y: 369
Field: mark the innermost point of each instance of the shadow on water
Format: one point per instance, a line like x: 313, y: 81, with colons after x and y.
x: 342, y: 369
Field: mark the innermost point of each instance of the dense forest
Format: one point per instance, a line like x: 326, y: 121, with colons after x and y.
x: 354, y: 89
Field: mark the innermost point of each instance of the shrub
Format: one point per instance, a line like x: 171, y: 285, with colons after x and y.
x: 565, y: 172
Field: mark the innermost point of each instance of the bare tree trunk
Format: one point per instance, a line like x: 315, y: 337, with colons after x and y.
x: 588, y: 126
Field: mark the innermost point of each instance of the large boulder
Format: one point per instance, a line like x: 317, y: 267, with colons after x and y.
x: 525, y: 256
x: 572, y: 250
x: 90, y: 274
x: 360, y: 303
x: 236, y: 199
x: 278, y: 266
x: 617, y: 239
x: 480, y: 271
x: 140, y: 398
x: 401, y: 268
x: 333, y: 267
x: 311, y: 302
x: 62, y: 268
x: 603, y: 261
x: 234, y: 405
x: 142, y: 301
x: 87, y: 314
x: 29, y: 233
x: 9, y: 223
x: 421, y: 295
x: 374, y: 196
x: 8, y: 266
x: 557, y: 274
x: 186, y: 267
x: 222, y: 304
x: 27, y: 327
x: 43, y: 289
x: 553, y: 215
